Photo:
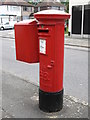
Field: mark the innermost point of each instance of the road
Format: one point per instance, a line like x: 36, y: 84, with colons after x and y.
x: 75, y: 68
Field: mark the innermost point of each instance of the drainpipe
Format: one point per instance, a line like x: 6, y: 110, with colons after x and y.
x: 21, y: 13
x: 82, y: 21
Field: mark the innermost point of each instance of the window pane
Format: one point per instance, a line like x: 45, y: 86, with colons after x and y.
x: 86, y: 22
x: 76, y: 19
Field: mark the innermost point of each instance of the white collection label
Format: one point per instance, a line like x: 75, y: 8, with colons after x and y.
x: 42, y: 46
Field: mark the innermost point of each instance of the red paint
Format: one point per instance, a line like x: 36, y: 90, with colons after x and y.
x: 26, y: 41
x: 51, y: 29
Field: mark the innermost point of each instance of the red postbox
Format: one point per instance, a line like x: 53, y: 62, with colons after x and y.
x: 26, y: 41
x: 51, y: 51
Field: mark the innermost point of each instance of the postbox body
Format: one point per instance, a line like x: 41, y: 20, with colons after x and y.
x: 51, y: 53
x: 26, y: 41
x: 51, y: 48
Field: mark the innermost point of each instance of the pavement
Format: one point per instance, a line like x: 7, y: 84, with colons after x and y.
x: 20, y: 100
x: 69, y: 41
x: 77, y: 42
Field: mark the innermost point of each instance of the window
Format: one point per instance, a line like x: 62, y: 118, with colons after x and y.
x: 76, y: 19
x: 55, y: 8
x: 38, y: 8
x: 7, y: 23
x: 62, y: 8
x: 15, y: 8
x: 7, y: 7
x: 31, y: 9
x: 24, y: 8
x: 86, y: 23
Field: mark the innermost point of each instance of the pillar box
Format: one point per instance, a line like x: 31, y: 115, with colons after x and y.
x: 51, y: 55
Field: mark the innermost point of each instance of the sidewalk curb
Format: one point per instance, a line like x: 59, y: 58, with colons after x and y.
x: 7, y: 37
x: 64, y: 43
x: 77, y: 45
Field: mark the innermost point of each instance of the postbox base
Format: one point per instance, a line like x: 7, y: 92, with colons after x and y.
x: 50, y: 102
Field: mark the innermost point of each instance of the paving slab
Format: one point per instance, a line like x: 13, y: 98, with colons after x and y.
x: 71, y: 41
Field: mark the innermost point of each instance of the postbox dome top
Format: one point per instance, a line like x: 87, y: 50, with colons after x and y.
x: 50, y: 14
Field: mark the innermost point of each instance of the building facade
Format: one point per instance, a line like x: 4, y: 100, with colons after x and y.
x: 15, y: 10
x: 80, y: 16
x: 8, y: 13
x: 49, y: 4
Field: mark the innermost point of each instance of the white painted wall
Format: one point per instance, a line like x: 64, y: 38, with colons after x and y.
x: 79, y: 2
x: 70, y: 11
x: 10, y: 10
